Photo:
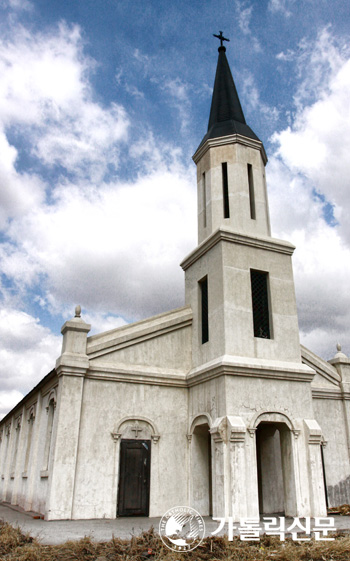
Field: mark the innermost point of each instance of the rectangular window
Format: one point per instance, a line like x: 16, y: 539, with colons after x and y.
x: 260, y: 300
x: 204, y: 201
x: 225, y: 190
x: 203, y: 288
x: 251, y: 192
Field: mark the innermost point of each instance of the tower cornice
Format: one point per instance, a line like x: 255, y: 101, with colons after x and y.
x: 229, y: 139
x: 271, y: 244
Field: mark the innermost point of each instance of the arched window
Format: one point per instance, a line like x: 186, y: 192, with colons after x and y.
x: 50, y: 409
x: 31, y: 417
x: 18, y: 423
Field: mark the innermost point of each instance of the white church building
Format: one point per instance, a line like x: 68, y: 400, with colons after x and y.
x: 214, y: 405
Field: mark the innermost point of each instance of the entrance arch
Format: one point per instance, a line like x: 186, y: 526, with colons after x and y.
x: 275, y: 465
x: 201, y: 470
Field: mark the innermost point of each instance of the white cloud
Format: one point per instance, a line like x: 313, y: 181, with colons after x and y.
x: 20, y: 5
x: 8, y: 400
x: 81, y: 240
x: 286, y: 56
x: 244, y: 10
x: 178, y: 97
x: 102, y: 322
x: 317, y: 63
x: 86, y: 144
x: 245, y: 15
x: 101, y: 247
x: 253, y: 101
x: 318, y: 143
x: 19, y: 192
x: 312, y: 157
x: 281, y: 6
x: 41, y: 74
x: 45, y: 91
x: 28, y: 351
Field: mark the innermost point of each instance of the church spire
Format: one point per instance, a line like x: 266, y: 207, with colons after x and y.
x: 226, y: 114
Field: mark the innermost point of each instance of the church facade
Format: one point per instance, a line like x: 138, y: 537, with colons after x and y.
x: 214, y: 405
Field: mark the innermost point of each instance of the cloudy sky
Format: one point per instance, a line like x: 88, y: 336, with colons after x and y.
x: 103, y: 103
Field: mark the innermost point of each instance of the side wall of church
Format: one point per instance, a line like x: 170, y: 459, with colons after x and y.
x: 27, y: 438
x: 330, y: 415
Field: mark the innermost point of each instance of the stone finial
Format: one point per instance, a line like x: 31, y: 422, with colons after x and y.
x: 339, y: 353
x: 74, y: 333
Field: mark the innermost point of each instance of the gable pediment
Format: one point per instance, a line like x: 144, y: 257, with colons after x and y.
x: 163, y: 341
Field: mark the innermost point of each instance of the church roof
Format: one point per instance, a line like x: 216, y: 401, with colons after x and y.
x: 226, y: 114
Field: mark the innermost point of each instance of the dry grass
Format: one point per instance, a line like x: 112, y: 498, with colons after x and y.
x: 343, y: 510
x: 16, y: 546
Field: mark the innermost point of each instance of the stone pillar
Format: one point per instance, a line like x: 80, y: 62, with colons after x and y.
x: 317, y: 493
x: 220, y: 471
x: 7, y: 454
x: 299, y: 451
x: 342, y: 363
x: 289, y: 461
x: 71, y: 368
x: 33, y: 463
x: 251, y: 475
x: 236, y: 432
x: 18, y: 459
x: 229, y: 485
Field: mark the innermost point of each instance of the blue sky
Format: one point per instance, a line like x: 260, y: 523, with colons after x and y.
x: 103, y: 104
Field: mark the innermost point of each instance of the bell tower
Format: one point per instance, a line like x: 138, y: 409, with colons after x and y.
x: 230, y: 166
x: 239, y: 280
x: 247, y: 376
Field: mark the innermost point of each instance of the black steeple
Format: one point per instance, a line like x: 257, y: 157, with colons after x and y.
x: 226, y: 114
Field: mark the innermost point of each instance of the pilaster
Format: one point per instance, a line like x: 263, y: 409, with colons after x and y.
x: 236, y: 432
x: 71, y: 368
x: 317, y: 492
x: 229, y: 468
x: 220, y: 473
x: 342, y: 363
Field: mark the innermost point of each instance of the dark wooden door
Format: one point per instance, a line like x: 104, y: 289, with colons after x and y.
x: 134, y: 478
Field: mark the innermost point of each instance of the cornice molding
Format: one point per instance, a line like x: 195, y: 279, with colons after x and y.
x: 269, y: 244
x: 72, y: 364
x: 325, y: 393
x: 136, y: 375
x: 293, y: 372
x: 230, y: 139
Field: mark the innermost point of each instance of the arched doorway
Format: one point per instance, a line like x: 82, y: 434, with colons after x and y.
x: 134, y: 478
x: 201, y: 469
x: 136, y: 435
x: 275, y: 464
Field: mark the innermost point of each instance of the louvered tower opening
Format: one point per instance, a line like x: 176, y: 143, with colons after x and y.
x: 225, y: 190
x: 203, y: 286
x: 260, y: 300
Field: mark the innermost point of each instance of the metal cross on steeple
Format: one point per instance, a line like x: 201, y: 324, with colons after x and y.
x: 221, y: 37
